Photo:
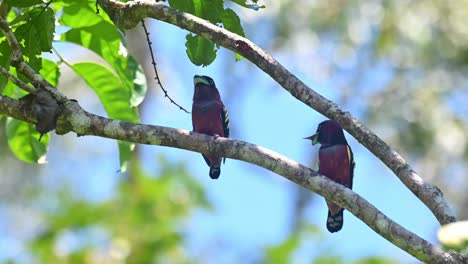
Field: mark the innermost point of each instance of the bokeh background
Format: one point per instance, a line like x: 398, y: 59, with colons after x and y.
x: 399, y: 66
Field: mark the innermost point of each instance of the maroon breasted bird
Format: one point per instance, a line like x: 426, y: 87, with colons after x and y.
x: 209, y: 116
x: 336, y: 162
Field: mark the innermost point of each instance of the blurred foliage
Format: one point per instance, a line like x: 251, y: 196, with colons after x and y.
x: 454, y: 236
x: 142, y: 223
x: 407, y: 62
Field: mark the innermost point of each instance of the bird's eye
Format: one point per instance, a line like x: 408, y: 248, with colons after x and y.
x: 211, y: 82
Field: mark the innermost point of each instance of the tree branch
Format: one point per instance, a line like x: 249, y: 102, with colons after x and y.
x: 18, y: 62
x: 127, y: 15
x: 75, y: 119
x: 17, y: 81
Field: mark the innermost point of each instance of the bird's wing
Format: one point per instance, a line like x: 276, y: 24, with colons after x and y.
x: 352, y: 164
x: 225, y: 119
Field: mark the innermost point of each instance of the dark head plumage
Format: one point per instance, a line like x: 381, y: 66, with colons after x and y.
x: 329, y: 132
x: 205, y: 88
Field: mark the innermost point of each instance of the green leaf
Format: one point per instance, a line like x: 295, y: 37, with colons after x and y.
x: 232, y: 23
x: 110, y: 90
x: 209, y: 9
x: 23, y: 140
x: 44, y: 23
x: 78, y: 16
x: 114, y: 96
x: 183, y: 5
x: 125, y: 154
x: 50, y: 71
x: 101, y: 36
x: 200, y: 51
x: 5, y: 53
x: 23, y: 3
x: 38, y: 33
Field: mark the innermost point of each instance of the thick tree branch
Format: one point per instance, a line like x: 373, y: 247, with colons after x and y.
x: 127, y: 15
x: 75, y: 119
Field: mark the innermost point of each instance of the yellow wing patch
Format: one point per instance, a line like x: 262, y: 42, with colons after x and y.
x: 349, y: 154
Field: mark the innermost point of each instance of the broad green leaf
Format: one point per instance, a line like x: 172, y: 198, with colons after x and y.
x: 115, y: 98
x: 78, y: 16
x: 200, y: 51
x: 44, y: 22
x: 232, y: 23
x: 183, y: 5
x: 23, y: 140
x: 50, y: 71
x: 209, y: 9
x: 110, y: 90
x: 101, y: 36
x: 38, y: 33
x: 23, y: 3
x: 36, y: 36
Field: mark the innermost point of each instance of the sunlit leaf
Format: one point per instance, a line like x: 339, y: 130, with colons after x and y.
x: 23, y: 140
x: 50, y: 71
x: 113, y: 95
x: 98, y: 34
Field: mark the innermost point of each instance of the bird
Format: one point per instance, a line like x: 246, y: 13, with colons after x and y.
x: 209, y: 117
x: 336, y: 161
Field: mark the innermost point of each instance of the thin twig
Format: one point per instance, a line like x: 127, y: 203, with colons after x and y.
x: 17, y: 81
x: 153, y: 62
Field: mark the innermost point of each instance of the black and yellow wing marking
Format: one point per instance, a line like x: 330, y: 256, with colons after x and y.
x: 351, y: 164
x: 225, y: 119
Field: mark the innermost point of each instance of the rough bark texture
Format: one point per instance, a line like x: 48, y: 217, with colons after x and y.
x: 127, y: 15
x: 75, y: 119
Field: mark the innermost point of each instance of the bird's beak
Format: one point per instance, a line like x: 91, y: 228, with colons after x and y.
x: 199, y: 80
x: 313, y: 138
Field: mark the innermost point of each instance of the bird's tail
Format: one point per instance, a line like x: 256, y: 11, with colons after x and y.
x: 214, y: 172
x: 335, y: 222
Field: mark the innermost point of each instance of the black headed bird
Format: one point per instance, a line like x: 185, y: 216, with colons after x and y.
x: 209, y: 116
x: 336, y: 162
